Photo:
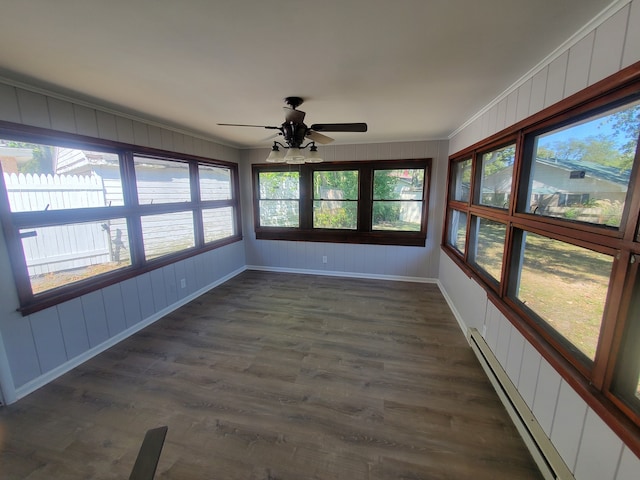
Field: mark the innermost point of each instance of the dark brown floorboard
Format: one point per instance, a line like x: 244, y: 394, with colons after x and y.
x: 278, y: 376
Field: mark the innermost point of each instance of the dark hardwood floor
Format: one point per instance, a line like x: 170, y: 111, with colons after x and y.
x: 278, y: 376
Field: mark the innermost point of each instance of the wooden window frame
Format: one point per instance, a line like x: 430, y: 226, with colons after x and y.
x: 591, y: 382
x: 132, y: 211
x: 364, y: 233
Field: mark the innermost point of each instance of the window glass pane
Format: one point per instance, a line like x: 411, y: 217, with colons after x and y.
x: 335, y: 214
x: 496, y: 174
x: 397, y: 216
x: 581, y: 172
x: 279, y: 185
x: 215, y: 182
x: 335, y: 196
x: 488, y: 245
x: 457, y: 229
x: 64, y: 254
x: 566, y: 286
x: 460, y: 181
x: 335, y: 185
x: 218, y: 223
x: 403, y: 191
x: 167, y: 233
x: 279, y: 213
x: 162, y: 181
x: 400, y: 184
x: 279, y: 194
x: 44, y: 177
x: 626, y: 382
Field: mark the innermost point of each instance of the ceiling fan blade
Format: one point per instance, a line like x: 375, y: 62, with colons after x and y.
x: 319, y: 138
x: 339, y: 127
x: 293, y: 116
x: 242, y: 125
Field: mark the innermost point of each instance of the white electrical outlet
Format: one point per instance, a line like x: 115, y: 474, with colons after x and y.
x: 324, y: 259
x: 183, y: 283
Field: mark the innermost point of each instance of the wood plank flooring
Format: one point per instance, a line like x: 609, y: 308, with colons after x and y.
x: 278, y: 376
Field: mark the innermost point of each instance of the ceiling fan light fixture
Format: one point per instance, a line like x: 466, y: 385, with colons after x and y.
x: 314, y: 156
x: 294, y: 156
x: 275, y: 156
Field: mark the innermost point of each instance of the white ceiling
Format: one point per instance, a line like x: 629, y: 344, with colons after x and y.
x: 411, y: 69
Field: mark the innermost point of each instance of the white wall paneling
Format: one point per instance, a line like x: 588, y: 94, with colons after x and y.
x: 41, y: 346
x: 348, y: 259
x: 586, y: 443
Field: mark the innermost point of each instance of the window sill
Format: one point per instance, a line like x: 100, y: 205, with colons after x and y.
x: 409, y: 239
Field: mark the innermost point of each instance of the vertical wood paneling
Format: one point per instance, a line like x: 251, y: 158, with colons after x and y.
x: 568, y: 423
x: 581, y: 437
x: 514, y: 356
x: 599, y: 452
x: 502, y: 347
x: 74, y: 330
x: 10, y: 111
x: 114, y: 309
x: 86, y: 121
x: 501, y: 116
x: 155, y: 136
x: 131, y: 301
x: 608, y: 45
x: 141, y: 134
x: 47, y: 336
x: 178, y: 142
x: 170, y: 284
x: 158, y: 290
x: 167, y: 139
x: 546, y: 398
x: 629, y: 466
x: 631, y: 52
x: 145, y: 292
x: 61, y: 114
x: 512, y: 106
x: 107, y: 125
x: 180, y: 273
x: 33, y: 108
x: 529, y: 371
x: 124, y: 127
x: 95, y: 318
x: 538, y: 91
x: 556, y: 80
x: 190, y: 272
x: 21, y: 350
x: 188, y: 144
x: 524, y: 100
x: 492, y: 323
x: 578, y: 65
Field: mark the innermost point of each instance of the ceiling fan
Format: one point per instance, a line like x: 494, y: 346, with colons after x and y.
x: 294, y: 131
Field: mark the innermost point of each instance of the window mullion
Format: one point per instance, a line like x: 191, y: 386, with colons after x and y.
x: 365, y: 199
x: 306, y: 197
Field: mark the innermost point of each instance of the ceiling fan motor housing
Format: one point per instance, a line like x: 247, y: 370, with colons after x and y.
x: 294, y: 133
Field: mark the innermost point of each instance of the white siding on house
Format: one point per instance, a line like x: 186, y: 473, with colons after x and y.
x: 37, y: 348
x: 588, y: 446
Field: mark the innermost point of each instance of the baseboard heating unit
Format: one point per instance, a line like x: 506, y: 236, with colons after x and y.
x: 542, y: 450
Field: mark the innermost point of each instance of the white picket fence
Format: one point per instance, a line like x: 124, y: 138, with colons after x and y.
x: 64, y: 247
x: 74, y: 246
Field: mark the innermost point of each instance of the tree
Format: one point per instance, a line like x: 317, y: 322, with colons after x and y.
x: 627, y: 124
x: 598, y: 149
x: 41, y: 161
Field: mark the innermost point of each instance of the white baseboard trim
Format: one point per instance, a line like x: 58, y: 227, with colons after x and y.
x: 456, y: 314
x: 334, y: 273
x: 45, y: 378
